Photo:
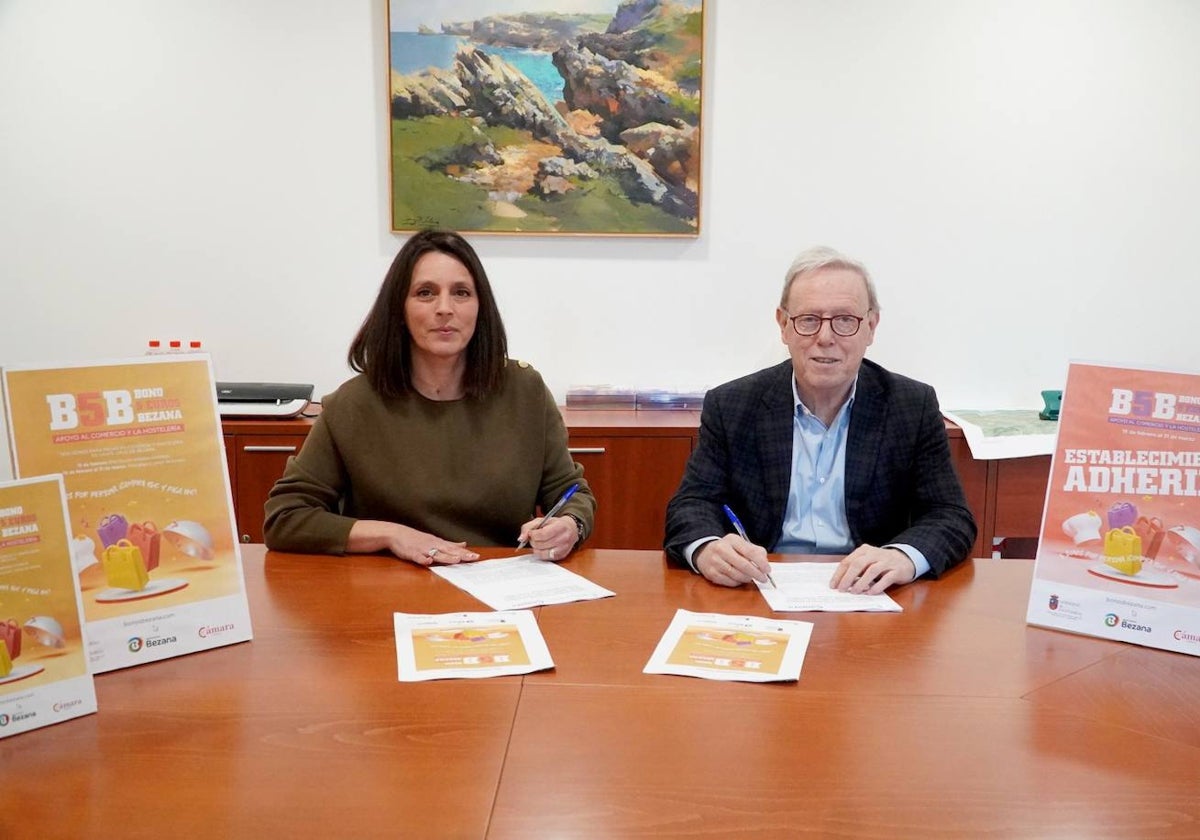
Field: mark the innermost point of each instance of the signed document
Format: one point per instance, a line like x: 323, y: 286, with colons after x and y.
x: 470, y: 645
x: 731, y: 647
x: 804, y: 587
x: 515, y: 583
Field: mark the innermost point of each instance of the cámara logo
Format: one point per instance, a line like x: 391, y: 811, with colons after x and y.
x: 209, y: 630
x: 1111, y: 620
x: 1185, y: 636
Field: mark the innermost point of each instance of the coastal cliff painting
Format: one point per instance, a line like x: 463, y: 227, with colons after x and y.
x: 546, y: 116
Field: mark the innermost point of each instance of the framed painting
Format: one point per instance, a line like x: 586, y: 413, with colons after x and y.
x: 546, y: 116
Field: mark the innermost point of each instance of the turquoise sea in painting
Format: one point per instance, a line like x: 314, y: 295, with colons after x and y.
x: 413, y: 52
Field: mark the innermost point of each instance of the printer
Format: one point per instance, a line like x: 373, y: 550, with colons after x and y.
x: 277, y: 400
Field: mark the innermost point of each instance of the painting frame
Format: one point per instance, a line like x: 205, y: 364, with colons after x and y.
x: 546, y: 117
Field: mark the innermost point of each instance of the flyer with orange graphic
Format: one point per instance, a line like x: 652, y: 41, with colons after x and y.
x: 471, y: 645
x: 44, y: 677
x: 731, y: 647
x: 1119, y: 554
x: 138, y: 443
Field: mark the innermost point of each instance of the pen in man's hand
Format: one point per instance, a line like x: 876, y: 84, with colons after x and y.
x: 554, y: 510
x: 737, y: 523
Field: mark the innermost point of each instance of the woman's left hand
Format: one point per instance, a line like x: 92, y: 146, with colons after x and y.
x: 551, y: 539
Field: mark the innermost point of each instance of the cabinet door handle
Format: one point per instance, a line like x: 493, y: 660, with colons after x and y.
x: 268, y: 448
x: 585, y: 450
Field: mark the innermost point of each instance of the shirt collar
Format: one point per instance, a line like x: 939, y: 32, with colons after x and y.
x: 802, y: 410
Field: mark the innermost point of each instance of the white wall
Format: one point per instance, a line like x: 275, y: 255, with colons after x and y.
x: 1021, y: 178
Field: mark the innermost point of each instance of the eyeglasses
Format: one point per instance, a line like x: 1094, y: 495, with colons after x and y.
x: 843, y: 325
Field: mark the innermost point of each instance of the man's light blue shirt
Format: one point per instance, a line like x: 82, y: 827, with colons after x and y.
x: 815, y: 519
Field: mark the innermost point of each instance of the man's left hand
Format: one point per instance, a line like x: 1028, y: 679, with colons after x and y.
x: 871, y: 570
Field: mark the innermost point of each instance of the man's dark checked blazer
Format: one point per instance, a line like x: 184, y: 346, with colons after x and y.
x: 900, y: 483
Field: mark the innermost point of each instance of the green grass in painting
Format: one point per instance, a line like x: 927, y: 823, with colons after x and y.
x: 421, y: 198
x: 502, y: 135
x: 600, y: 206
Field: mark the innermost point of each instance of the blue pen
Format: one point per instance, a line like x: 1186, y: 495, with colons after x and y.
x: 737, y: 523
x: 554, y: 510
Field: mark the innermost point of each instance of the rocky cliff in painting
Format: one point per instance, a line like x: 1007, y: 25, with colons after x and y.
x: 546, y: 32
x: 621, y: 146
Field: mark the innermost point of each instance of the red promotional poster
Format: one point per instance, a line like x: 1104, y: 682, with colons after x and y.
x: 139, y: 446
x: 1119, y: 554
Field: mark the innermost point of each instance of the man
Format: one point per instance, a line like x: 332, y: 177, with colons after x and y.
x: 823, y: 454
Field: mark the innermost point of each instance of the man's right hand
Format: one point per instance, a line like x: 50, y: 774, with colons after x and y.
x: 732, y: 561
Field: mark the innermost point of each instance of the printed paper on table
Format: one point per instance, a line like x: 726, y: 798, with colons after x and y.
x: 1119, y: 555
x: 469, y: 645
x: 44, y: 677
x: 804, y: 587
x: 517, y: 583
x: 138, y: 443
x: 731, y: 647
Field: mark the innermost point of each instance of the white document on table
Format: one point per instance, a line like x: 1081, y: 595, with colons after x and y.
x: 515, y: 583
x: 469, y: 645
x: 804, y: 587
x: 744, y: 648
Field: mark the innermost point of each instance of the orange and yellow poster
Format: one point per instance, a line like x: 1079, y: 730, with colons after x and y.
x: 1119, y: 554
x: 44, y: 677
x: 731, y: 647
x: 138, y: 443
x: 471, y: 645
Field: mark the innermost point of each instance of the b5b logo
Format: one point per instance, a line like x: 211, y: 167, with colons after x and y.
x: 95, y: 408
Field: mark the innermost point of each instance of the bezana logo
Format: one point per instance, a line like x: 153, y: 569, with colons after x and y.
x: 1053, y: 602
x: 1113, y: 620
x: 4, y: 720
x: 135, y: 644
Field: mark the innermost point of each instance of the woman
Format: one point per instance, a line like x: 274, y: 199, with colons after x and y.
x: 441, y: 441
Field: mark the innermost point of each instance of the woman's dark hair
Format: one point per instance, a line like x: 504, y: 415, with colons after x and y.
x: 382, y: 350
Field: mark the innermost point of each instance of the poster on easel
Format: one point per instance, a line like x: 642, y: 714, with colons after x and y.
x: 1119, y: 553
x: 44, y: 677
x: 138, y: 443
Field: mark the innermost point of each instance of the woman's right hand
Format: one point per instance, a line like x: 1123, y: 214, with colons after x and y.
x: 369, y: 535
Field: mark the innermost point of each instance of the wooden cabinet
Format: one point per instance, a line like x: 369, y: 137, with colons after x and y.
x: 257, y: 451
x: 633, y: 461
x: 1019, y: 490
x: 1005, y: 494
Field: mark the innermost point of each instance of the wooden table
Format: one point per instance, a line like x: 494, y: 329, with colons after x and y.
x: 951, y: 719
